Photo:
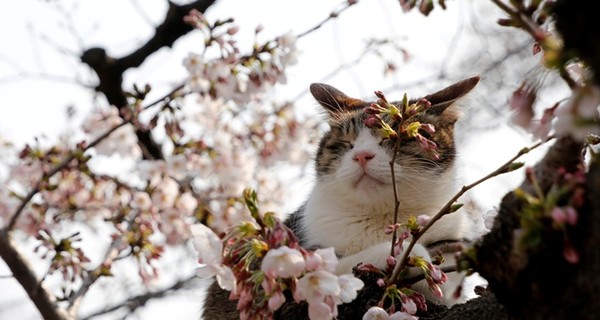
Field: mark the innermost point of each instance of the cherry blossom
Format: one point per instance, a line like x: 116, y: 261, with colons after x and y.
x: 209, y: 248
x: 283, y: 262
x: 349, y: 287
x: 377, y: 313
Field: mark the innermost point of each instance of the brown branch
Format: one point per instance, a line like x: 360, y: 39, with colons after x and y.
x: 110, y: 70
x: 504, y: 168
x: 22, y: 271
x: 535, y: 32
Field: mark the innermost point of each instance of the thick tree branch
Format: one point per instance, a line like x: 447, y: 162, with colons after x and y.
x: 110, y: 70
x: 23, y: 273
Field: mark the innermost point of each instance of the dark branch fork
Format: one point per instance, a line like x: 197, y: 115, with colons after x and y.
x: 110, y: 70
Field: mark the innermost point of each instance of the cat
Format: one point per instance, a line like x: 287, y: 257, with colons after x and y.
x: 352, y: 200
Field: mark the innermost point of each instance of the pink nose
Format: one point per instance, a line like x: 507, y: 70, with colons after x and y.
x: 363, y: 157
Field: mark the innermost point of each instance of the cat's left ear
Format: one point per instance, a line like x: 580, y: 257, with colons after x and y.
x: 333, y: 100
x: 443, y: 99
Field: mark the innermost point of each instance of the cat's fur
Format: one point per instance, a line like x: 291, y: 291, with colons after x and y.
x: 352, y: 201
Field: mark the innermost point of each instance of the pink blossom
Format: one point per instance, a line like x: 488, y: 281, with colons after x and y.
x: 283, y: 262
x: 276, y: 300
x: 141, y: 200
x: 186, y: 203
x: 408, y: 305
x: 570, y: 253
x: 321, y: 311
x: 165, y: 193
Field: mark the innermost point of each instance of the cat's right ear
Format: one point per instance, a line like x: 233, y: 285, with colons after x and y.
x: 333, y: 100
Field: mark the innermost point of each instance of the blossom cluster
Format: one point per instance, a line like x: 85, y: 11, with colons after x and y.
x: 231, y: 74
x: 260, y: 259
x: 212, y: 149
x: 397, y: 122
x: 557, y: 208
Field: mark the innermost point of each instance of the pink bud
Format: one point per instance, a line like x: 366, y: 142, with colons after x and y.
x: 425, y: 103
x: 427, y: 127
x: 398, y: 248
x: 276, y: 300
x: 381, y: 282
x: 373, y: 122
x: 233, y: 30
x: 391, y: 261
x: 436, y: 290
x: 391, y: 228
x: 404, y: 235
x: 423, y: 219
x: 570, y: 253
x: 572, y: 215
x: 558, y: 215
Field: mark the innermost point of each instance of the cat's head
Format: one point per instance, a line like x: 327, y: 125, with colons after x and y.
x: 354, y: 159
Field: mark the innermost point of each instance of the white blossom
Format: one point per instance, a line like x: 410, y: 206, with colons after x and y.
x: 283, y: 262
x: 209, y: 248
x: 316, y: 285
x: 349, y: 287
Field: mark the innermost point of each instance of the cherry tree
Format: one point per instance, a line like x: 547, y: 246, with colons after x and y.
x: 204, y: 163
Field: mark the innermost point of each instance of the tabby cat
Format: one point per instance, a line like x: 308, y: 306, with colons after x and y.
x: 352, y: 200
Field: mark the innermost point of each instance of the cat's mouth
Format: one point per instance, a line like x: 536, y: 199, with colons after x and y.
x: 366, y: 180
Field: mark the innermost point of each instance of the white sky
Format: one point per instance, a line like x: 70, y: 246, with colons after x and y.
x: 33, y: 101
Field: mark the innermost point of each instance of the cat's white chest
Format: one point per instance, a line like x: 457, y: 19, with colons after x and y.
x: 343, y: 225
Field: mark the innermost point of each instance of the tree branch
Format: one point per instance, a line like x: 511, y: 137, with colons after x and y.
x: 110, y: 70
x: 23, y: 273
x: 447, y: 208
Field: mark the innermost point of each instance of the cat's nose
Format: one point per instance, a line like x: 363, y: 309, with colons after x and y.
x: 362, y: 157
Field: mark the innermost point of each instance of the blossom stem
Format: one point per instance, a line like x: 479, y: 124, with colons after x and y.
x: 396, y: 199
x: 534, y: 30
x: 504, y: 168
x: 332, y: 15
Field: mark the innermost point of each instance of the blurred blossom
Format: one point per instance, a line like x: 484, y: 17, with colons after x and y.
x: 578, y: 117
x: 165, y: 193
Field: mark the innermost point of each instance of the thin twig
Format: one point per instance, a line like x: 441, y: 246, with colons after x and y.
x: 111, y: 254
x: 535, y: 31
x: 396, y: 199
x: 504, y: 168
x: 334, y: 14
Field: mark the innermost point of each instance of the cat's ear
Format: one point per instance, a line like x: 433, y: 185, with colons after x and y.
x: 443, y: 99
x: 333, y: 100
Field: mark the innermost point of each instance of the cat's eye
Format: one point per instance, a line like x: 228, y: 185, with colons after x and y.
x: 347, y: 143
